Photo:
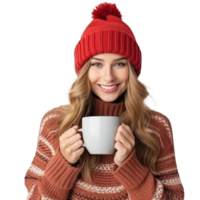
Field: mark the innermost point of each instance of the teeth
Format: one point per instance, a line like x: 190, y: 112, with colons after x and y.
x: 108, y: 87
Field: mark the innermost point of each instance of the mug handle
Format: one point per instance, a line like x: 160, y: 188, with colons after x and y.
x: 81, y: 130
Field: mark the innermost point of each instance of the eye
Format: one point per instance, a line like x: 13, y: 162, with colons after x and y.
x: 95, y: 64
x: 119, y: 64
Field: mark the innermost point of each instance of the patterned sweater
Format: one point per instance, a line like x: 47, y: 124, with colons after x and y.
x: 51, y: 177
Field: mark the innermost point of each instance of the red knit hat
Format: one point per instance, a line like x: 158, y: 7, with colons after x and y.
x: 107, y: 33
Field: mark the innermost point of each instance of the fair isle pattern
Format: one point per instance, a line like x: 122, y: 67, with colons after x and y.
x: 161, y: 141
x: 34, y: 169
x: 42, y: 139
x: 41, y: 154
x: 104, y: 168
x: 167, y: 171
x: 165, y: 123
x: 174, y: 181
x: 41, y: 126
x: 159, y: 187
x: 166, y: 158
x: 159, y: 190
x: 97, y: 189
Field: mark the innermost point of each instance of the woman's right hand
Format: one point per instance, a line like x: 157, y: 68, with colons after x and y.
x: 70, y: 142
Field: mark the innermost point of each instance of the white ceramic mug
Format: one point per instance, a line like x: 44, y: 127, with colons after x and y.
x: 99, y: 133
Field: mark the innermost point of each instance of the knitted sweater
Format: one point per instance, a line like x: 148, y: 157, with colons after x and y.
x: 51, y: 177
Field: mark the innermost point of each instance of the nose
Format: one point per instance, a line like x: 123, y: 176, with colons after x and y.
x: 108, y: 74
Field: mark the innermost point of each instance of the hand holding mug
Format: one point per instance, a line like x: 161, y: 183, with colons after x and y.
x: 70, y: 142
x: 125, y: 143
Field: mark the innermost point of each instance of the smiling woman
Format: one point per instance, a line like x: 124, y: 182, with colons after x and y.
x: 109, y: 76
x: 143, y: 166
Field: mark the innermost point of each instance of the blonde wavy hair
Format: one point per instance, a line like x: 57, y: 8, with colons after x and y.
x: 137, y: 115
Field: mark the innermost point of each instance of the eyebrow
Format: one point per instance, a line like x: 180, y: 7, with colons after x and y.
x: 122, y: 58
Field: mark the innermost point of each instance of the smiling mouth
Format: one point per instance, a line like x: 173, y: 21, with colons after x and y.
x: 108, y: 85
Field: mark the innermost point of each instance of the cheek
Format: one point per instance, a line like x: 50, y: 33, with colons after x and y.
x: 92, y: 75
x: 124, y: 75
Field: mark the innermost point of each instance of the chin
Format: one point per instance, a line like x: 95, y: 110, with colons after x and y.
x: 107, y: 98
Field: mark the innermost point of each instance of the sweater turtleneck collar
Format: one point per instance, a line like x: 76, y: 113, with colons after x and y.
x: 102, y: 108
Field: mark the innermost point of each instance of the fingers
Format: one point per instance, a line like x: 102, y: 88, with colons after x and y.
x: 128, y: 129
x: 70, y: 132
x: 124, y: 135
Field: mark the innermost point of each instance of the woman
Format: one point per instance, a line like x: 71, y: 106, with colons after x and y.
x: 143, y: 166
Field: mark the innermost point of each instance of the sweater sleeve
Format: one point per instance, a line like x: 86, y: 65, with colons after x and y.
x: 140, y: 183
x: 50, y: 176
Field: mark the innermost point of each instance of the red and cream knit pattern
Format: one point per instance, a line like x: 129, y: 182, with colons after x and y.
x: 51, y: 177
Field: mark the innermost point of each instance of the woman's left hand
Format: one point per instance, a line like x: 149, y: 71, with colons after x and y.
x: 125, y: 143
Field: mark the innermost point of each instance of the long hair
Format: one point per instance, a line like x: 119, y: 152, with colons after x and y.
x: 137, y: 115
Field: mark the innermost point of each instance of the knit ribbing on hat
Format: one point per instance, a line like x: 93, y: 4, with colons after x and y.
x: 108, y: 41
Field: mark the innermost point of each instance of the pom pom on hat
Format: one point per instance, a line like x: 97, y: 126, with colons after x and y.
x: 104, y: 9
